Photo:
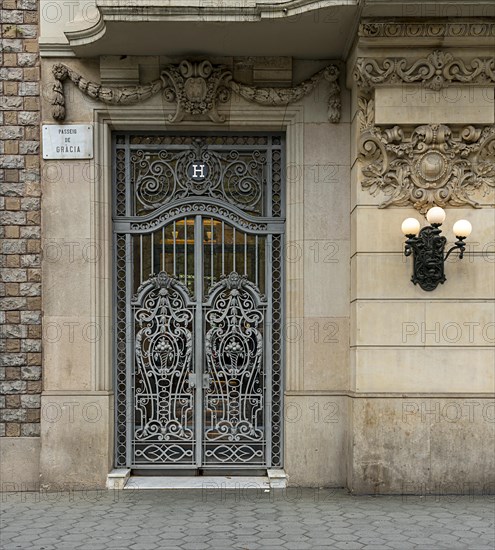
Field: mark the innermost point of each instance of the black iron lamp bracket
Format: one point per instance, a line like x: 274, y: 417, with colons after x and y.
x: 427, y: 249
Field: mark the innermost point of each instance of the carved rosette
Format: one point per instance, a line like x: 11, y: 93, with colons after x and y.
x: 438, y: 70
x: 429, y: 165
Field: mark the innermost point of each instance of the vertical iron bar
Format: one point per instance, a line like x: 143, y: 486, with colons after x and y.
x: 256, y: 260
x: 267, y: 363
x: 245, y: 253
x: 198, y: 339
x: 223, y: 248
x: 233, y: 249
x: 163, y: 248
x: 129, y: 350
x: 140, y: 258
x: 175, y: 263
x: 185, y: 252
x: 152, y: 267
x: 211, y: 253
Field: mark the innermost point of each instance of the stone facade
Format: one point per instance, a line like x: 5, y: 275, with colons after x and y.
x: 388, y: 388
x: 20, y: 303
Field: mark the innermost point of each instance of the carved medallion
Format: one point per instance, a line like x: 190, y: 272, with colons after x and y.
x: 429, y: 165
x: 196, y: 88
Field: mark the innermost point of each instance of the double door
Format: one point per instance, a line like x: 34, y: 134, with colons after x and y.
x: 199, y: 301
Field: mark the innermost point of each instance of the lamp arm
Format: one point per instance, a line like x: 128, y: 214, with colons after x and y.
x: 409, y: 244
x: 459, y: 244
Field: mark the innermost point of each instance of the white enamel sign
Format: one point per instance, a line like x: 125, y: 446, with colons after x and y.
x: 67, y: 141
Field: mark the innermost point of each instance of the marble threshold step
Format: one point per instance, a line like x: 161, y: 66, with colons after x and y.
x: 122, y: 479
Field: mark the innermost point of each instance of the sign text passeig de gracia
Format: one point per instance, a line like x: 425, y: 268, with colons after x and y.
x: 67, y: 141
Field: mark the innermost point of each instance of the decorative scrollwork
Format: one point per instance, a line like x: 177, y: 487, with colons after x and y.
x: 429, y: 166
x: 438, y: 70
x: 198, y: 208
x: 235, y: 177
x: 196, y: 88
x: 164, y: 399
x: 234, y: 357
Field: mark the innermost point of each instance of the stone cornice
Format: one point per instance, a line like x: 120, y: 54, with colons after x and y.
x: 155, y: 10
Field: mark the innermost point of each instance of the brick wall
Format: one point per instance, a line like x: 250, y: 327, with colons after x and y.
x: 20, y: 231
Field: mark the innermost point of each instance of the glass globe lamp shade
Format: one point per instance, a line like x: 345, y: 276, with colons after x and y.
x: 436, y: 215
x: 462, y: 228
x: 410, y: 226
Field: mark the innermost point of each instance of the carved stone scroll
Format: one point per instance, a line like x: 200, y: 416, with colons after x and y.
x: 438, y: 70
x: 196, y: 88
x: 429, y: 165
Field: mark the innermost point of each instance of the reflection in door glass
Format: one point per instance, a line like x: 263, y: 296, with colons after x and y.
x: 227, y: 249
x: 169, y: 249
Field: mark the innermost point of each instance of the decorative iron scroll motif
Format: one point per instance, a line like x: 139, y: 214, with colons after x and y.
x: 428, y: 248
x: 438, y: 70
x: 235, y: 176
x: 430, y: 166
x: 198, y: 208
x: 196, y: 89
x: 234, y: 399
x: 163, y: 396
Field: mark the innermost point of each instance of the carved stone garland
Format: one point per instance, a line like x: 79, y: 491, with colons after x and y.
x: 196, y: 88
x: 430, y: 165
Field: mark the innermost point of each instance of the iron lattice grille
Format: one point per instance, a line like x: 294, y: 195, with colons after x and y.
x: 199, y: 300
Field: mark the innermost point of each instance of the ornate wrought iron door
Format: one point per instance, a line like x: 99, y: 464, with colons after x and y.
x: 198, y: 238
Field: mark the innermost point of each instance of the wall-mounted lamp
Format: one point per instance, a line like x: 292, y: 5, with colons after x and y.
x: 427, y: 245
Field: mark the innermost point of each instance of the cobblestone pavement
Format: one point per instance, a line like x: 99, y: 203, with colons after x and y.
x: 241, y: 519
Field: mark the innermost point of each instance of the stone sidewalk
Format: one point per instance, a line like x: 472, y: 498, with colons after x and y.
x: 243, y: 519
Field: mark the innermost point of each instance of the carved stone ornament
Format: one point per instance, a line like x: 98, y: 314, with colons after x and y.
x: 285, y: 96
x: 430, y: 29
x: 196, y: 88
x: 438, y: 70
x: 429, y: 165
